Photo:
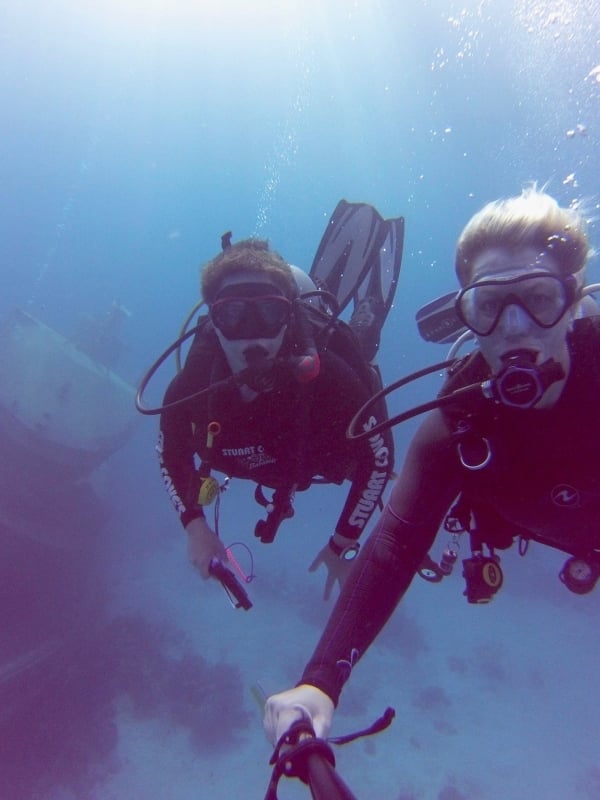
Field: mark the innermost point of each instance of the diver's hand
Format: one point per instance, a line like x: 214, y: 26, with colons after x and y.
x: 203, y: 545
x: 337, y: 569
x: 303, y: 702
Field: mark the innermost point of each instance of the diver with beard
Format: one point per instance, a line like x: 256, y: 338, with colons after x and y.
x: 514, y: 435
x: 282, y: 420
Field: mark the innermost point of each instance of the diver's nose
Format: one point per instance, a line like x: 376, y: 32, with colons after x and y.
x: 514, y: 320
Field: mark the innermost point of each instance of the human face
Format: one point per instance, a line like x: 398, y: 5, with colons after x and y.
x: 250, y: 316
x: 516, y: 327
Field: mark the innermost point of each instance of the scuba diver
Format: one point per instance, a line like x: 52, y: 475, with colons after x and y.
x: 273, y: 378
x: 515, y: 437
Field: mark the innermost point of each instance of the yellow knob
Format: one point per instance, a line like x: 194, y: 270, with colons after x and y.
x: 209, y: 489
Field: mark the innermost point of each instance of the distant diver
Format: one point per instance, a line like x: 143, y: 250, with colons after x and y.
x: 273, y: 378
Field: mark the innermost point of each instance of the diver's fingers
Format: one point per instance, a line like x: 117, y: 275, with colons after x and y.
x: 279, y: 719
x: 316, y: 563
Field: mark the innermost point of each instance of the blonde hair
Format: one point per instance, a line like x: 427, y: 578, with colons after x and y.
x: 533, y: 219
x: 252, y: 256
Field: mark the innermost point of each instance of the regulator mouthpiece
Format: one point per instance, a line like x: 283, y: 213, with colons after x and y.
x: 521, y: 383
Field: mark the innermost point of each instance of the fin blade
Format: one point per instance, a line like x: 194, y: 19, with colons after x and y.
x: 342, y: 259
x: 384, y: 267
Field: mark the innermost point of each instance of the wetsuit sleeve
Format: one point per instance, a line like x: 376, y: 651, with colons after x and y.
x: 423, y: 492
x: 374, y: 463
x: 176, y: 448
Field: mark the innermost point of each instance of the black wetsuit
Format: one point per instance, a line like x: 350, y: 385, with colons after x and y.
x: 281, y: 439
x: 543, y: 483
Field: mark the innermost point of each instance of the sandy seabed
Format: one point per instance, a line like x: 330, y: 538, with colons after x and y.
x: 492, y: 702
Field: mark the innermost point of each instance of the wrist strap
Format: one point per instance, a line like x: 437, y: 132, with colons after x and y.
x: 347, y: 552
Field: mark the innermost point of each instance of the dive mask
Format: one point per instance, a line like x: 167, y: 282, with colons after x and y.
x: 250, y: 311
x: 544, y: 297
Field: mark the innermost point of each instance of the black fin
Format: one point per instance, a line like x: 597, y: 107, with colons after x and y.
x: 359, y: 253
x: 384, y: 266
x: 438, y: 322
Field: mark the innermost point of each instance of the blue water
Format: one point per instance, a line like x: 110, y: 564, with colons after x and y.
x: 134, y: 134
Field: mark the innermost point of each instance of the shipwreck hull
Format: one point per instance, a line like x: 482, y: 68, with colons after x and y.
x: 61, y: 413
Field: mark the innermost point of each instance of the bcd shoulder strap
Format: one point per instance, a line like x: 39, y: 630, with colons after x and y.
x: 330, y: 333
